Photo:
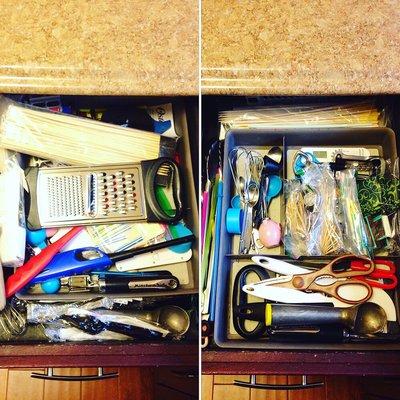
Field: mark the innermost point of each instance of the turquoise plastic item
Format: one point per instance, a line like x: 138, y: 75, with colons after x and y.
x: 51, y: 286
x: 37, y: 238
x: 178, y: 231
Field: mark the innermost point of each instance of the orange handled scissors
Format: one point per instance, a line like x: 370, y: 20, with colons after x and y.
x: 386, y: 274
x: 340, y: 284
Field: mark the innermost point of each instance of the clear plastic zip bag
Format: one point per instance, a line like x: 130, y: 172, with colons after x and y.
x: 356, y: 238
x: 297, y: 224
x: 312, y: 224
x: 325, y: 236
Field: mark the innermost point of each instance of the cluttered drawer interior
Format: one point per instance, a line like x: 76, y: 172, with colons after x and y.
x: 98, y: 219
x: 300, y: 226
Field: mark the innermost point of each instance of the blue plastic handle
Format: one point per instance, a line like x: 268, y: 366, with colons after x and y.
x: 74, y: 262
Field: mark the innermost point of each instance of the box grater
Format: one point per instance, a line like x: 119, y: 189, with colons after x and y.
x: 69, y: 196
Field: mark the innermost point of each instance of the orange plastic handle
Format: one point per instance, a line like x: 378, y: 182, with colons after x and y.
x: 37, y: 263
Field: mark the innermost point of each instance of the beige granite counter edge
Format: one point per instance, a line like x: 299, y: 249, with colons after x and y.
x: 23, y: 88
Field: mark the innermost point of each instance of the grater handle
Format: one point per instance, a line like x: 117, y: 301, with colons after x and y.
x: 155, y: 213
x: 31, y: 206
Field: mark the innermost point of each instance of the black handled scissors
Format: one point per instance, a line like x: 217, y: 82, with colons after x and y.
x: 240, y: 300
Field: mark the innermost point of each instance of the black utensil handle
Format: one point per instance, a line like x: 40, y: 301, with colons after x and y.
x: 123, y: 284
x: 285, y: 315
x: 323, y: 334
x: 154, y: 211
x: 240, y: 299
x: 116, y: 284
x: 85, y: 323
x: 123, y: 255
x: 49, y: 375
x: 133, y: 331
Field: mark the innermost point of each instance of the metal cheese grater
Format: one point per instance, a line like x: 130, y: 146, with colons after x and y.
x: 67, y: 196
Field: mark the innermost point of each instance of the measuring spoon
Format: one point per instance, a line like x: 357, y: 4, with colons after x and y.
x: 276, y: 154
x: 274, y: 188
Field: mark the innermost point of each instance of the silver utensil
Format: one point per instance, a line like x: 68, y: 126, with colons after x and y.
x: 246, y: 167
x: 275, y: 153
x: 246, y: 239
x: 173, y: 318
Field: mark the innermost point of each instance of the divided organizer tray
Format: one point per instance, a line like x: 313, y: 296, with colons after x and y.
x: 380, y: 141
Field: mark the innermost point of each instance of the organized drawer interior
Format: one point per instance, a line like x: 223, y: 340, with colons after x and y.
x: 316, y: 223
x: 119, y: 172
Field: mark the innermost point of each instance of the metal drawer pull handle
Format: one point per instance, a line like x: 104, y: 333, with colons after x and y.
x: 71, y: 378
x: 254, y: 385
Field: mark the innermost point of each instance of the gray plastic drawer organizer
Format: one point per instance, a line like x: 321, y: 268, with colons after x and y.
x: 382, y: 140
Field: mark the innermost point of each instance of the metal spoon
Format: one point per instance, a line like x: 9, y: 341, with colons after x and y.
x: 252, y: 195
x: 370, y: 318
x: 175, y: 319
x: 172, y: 318
x: 242, y: 186
x: 275, y: 153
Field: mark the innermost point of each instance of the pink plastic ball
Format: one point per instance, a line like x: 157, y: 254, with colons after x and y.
x: 270, y: 233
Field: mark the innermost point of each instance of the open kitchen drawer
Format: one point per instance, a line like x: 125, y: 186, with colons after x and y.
x: 28, y: 351
x: 230, y: 353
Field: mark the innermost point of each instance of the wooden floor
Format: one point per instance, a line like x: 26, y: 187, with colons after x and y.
x: 133, y: 383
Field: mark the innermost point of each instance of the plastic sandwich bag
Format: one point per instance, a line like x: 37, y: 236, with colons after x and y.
x: 45, y: 312
x: 75, y: 140
x: 57, y: 333
x: 325, y: 234
x: 356, y: 238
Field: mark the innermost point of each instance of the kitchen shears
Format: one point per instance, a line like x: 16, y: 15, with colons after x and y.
x: 384, y: 275
x: 297, y: 286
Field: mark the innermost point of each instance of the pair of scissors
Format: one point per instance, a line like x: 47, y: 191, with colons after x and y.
x: 384, y: 275
x: 240, y: 302
x: 294, y: 286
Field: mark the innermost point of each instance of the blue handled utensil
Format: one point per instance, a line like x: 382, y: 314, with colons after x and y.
x: 81, y: 261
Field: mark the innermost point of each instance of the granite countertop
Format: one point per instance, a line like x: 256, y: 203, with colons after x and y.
x: 292, y: 47
x: 118, y: 47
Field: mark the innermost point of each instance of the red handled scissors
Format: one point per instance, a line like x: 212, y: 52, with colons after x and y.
x: 384, y: 270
